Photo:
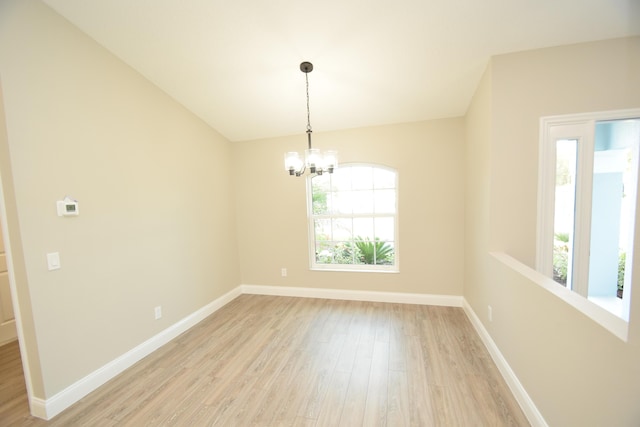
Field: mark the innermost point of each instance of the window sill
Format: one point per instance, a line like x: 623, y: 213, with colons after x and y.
x: 352, y: 270
x: 611, y: 304
x: 614, y: 324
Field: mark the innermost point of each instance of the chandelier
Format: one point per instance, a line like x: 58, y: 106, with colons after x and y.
x: 317, y: 162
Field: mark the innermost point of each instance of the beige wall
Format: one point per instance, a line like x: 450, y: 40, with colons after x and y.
x: 156, y: 224
x: 528, y: 85
x: 271, y: 207
x: 477, y: 175
x: 576, y: 372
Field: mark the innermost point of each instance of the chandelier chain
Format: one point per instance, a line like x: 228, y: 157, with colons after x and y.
x: 306, y: 75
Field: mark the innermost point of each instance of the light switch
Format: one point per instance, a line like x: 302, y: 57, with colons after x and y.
x: 53, y: 261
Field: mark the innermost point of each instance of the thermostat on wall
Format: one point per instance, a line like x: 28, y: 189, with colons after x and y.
x: 67, y: 207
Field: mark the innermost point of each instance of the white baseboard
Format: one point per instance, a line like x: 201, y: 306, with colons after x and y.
x: 341, y: 294
x: 528, y: 407
x: 51, y: 407
x: 38, y: 408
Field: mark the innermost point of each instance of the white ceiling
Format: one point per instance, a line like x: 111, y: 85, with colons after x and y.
x: 235, y: 63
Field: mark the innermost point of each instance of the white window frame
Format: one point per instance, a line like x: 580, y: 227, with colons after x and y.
x: 580, y: 127
x: 391, y: 268
x: 582, y: 131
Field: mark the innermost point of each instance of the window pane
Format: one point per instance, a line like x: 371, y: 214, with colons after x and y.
x: 343, y: 253
x: 324, y: 254
x: 362, y: 201
x: 363, y: 228
x: 322, y: 229
x: 385, y: 201
x: 342, y: 202
x: 362, y: 178
x: 564, y: 218
x: 341, y: 179
x: 369, y: 251
x: 342, y: 229
x: 385, y: 228
x: 320, y: 188
x: 334, y: 253
x: 385, y: 253
x: 383, y: 178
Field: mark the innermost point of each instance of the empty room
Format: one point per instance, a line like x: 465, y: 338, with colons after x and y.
x: 394, y: 213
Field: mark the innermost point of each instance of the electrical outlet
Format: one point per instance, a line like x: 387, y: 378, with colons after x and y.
x: 284, y: 272
x: 490, y: 313
x: 158, y: 312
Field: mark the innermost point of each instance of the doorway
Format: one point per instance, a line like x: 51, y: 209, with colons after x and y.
x: 11, y: 334
x: 8, y: 331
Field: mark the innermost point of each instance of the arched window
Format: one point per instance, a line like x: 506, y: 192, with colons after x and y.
x: 353, y: 219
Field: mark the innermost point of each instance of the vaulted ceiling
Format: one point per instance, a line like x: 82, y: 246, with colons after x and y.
x: 235, y: 63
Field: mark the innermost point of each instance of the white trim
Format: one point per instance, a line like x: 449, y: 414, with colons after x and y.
x: 355, y: 268
x: 364, y: 270
x: 522, y: 397
x: 550, y: 133
x: 38, y: 408
x: 343, y: 294
x: 614, y: 324
x: 628, y: 113
x: 52, y: 406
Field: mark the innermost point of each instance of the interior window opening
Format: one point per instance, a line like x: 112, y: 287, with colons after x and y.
x: 589, y: 211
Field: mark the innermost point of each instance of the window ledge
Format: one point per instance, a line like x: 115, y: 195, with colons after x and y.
x: 614, y: 324
x: 352, y: 270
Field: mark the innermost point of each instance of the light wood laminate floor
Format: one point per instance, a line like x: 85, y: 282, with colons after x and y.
x: 13, y: 392
x: 280, y: 361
